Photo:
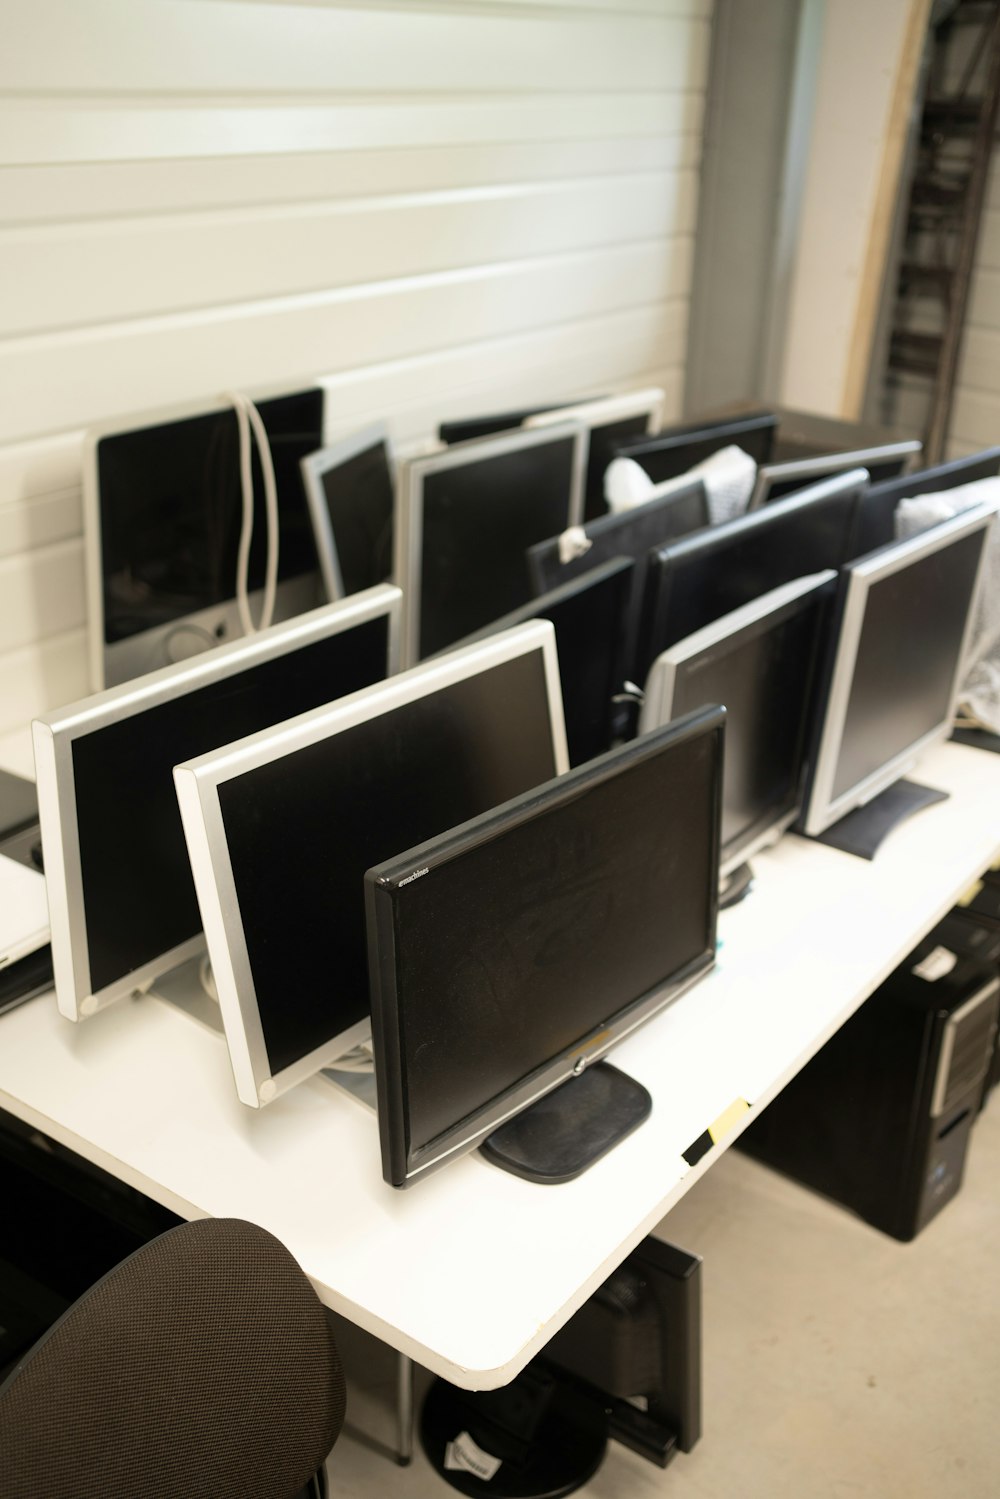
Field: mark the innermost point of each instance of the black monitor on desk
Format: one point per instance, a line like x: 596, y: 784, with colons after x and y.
x: 673, y: 452
x: 875, y: 519
x: 510, y: 954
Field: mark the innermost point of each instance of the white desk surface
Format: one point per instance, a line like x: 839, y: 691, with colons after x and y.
x: 471, y: 1271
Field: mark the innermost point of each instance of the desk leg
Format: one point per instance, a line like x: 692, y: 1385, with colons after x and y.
x: 404, y: 1409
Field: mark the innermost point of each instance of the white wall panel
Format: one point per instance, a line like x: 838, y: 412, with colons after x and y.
x: 434, y: 206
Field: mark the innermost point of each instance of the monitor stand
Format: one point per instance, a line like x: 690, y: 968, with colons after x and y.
x: 183, y: 988
x: 734, y: 886
x: 861, y: 832
x: 567, y: 1130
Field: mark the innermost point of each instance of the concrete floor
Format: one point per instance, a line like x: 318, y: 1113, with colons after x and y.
x: 838, y: 1362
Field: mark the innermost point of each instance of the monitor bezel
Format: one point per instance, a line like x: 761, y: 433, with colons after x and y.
x: 822, y: 808
x: 117, y: 662
x: 401, y: 1167
x: 314, y: 466
x: 807, y: 469
x: 55, y: 735
x: 408, y: 554
x: 753, y: 619
x: 198, y: 781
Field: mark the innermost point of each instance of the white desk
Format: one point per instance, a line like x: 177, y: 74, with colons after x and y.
x: 471, y: 1271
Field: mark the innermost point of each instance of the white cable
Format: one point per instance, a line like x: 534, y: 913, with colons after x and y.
x: 248, y: 418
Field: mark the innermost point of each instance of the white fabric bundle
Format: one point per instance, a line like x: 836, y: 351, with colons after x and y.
x: 728, y: 477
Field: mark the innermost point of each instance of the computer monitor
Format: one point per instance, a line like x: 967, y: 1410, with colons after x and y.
x: 626, y: 533
x: 591, y: 615
x: 511, y: 954
x: 351, y: 496
x: 122, y: 903
x: 162, y: 518
x: 282, y: 826
x: 903, y: 617
x: 671, y: 453
x: 878, y: 507
x: 775, y: 480
x: 699, y: 578
x: 760, y: 662
x: 467, y: 515
x: 610, y: 422
x: 465, y: 428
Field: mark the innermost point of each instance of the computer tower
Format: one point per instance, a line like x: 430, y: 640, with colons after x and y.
x: 879, y: 1120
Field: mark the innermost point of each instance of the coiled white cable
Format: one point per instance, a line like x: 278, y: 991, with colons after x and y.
x: 248, y: 419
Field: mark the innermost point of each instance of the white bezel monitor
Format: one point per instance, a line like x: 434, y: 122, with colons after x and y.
x: 760, y: 662
x: 902, y: 634
x: 281, y: 827
x: 350, y: 492
x: 466, y: 517
x: 887, y: 461
x: 610, y: 420
x: 123, y: 909
x: 162, y: 516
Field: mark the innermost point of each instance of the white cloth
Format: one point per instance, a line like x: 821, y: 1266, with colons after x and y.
x: 728, y: 476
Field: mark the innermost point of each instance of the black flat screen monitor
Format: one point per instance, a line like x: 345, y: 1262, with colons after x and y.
x: 350, y: 492
x: 699, y: 578
x: 164, y: 513
x: 513, y: 952
x: 591, y: 617
x: 281, y: 828
x: 875, y: 521
x: 467, y: 516
x: 902, y: 628
x: 760, y: 663
x: 775, y: 480
x: 671, y: 453
x: 122, y: 902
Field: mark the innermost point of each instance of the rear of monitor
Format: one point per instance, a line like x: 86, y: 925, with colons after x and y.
x: 895, y: 666
x: 467, y: 515
x: 123, y: 910
x: 162, y: 584
x: 350, y: 493
x: 875, y: 521
x: 672, y: 453
x: 281, y: 826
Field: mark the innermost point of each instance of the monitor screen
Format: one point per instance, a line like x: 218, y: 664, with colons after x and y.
x: 875, y: 520
x: 350, y: 492
x: 467, y: 517
x: 165, y: 509
x: 904, y: 614
x: 282, y: 828
x: 674, y: 451
x: 536, y: 936
x: 775, y: 480
x: 697, y: 579
x: 591, y: 617
x: 611, y: 421
x: 760, y: 663
x: 125, y: 909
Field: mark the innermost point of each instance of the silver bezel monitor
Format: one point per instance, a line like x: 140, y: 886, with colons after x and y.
x: 228, y: 776
x: 680, y: 680
x: 478, y: 607
x: 320, y: 480
x: 545, y: 961
x: 897, y: 457
x: 191, y: 630
x: 61, y: 736
x: 603, y: 418
x: 828, y: 802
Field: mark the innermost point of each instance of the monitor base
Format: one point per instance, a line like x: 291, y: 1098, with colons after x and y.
x: 558, y: 1137
x: 978, y: 739
x: 183, y: 988
x: 733, y: 887
x: 861, y: 832
x: 549, y: 1435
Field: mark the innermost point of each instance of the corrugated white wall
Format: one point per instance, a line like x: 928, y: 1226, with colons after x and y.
x: 975, y: 417
x: 439, y: 206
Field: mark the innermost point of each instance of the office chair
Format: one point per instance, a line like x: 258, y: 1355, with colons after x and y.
x: 201, y: 1367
